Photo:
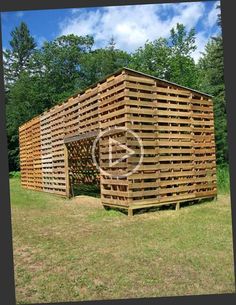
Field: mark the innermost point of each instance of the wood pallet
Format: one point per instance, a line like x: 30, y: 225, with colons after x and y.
x: 175, y: 125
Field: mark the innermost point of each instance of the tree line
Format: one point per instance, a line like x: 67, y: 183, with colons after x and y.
x: 38, y: 78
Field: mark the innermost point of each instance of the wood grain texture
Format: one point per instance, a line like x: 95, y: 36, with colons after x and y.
x: 175, y: 125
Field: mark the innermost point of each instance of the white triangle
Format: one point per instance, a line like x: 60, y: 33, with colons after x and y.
x: 130, y: 152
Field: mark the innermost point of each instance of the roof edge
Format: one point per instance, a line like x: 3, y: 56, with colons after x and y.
x: 165, y: 81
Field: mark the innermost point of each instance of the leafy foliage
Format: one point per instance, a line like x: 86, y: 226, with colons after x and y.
x: 153, y: 58
x: 14, y: 175
x: 101, y: 62
x: 211, y: 67
x: 60, y: 60
x: 170, y: 58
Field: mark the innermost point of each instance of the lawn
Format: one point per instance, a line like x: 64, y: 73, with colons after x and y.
x: 75, y: 250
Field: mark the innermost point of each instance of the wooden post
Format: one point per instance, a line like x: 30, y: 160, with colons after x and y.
x: 177, y: 206
x: 67, y: 171
x: 130, y: 212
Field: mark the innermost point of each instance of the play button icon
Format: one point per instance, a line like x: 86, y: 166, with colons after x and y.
x: 120, y: 152
x: 112, y: 143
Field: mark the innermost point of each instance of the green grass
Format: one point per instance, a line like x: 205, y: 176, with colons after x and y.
x: 71, y: 250
x: 223, y: 179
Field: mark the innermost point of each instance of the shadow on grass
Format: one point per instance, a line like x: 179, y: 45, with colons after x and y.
x: 167, y: 207
x: 170, y: 207
x: 124, y: 211
x: 91, y: 190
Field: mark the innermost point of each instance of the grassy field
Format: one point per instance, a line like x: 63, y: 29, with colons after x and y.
x: 75, y: 250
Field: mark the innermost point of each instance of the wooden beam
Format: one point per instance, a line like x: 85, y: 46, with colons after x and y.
x: 67, y: 171
x: 81, y: 136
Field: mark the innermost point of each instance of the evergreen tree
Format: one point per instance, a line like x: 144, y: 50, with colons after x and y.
x: 17, y: 59
x: 211, y: 67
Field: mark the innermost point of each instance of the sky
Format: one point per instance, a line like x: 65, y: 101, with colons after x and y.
x: 131, y: 26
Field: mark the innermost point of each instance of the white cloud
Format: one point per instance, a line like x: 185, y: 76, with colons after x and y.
x: 212, y: 15
x: 132, y: 26
x: 188, y: 14
x: 201, y: 41
x: 40, y: 41
x: 209, y: 31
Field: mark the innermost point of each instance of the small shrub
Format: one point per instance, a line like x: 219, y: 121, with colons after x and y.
x: 14, y: 174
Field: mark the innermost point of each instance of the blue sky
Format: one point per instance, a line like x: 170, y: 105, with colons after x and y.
x: 131, y: 26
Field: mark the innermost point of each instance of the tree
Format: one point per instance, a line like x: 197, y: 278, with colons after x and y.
x: 153, y: 58
x: 101, y: 62
x: 169, y: 58
x: 17, y: 59
x: 211, y: 66
x: 17, y: 70
x: 182, y: 66
x: 212, y: 81
x: 61, y: 60
x: 25, y: 100
x: 181, y: 42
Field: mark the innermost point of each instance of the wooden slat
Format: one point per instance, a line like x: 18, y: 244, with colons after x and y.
x: 175, y: 125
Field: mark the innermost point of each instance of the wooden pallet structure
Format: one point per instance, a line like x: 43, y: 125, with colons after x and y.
x: 175, y: 125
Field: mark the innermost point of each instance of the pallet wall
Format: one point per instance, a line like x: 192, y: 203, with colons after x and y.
x: 175, y: 125
x: 42, y: 157
x: 176, y: 128
x: 113, y: 113
x: 42, y: 149
x: 31, y: 155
